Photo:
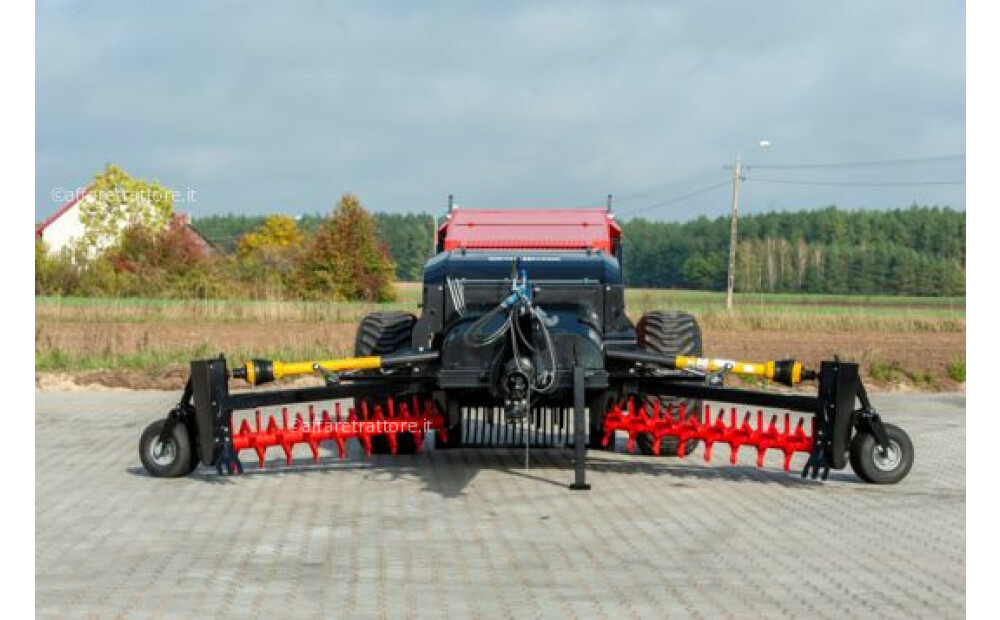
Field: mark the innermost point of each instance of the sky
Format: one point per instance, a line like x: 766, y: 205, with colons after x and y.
x: 262, y: 107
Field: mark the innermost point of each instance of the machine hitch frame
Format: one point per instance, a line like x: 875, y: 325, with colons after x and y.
x: 207, y: 406
x: 840, y: 405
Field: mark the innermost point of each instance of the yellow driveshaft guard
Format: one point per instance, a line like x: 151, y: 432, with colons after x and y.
x: 788, y: 372
x: 258, y: 372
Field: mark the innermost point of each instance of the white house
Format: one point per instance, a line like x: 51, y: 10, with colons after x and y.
x: 64, y: 226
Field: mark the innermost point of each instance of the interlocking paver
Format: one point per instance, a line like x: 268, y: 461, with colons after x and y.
x: 472, y: 534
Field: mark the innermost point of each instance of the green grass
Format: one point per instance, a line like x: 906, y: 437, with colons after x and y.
x: 719, y: 297
x: 91, y: 310
x: 751, y: 308
x: 895, y: 374
x: 81, y: 334
x: 641, y: 300
x: 956, y: 370
x: 55, y: 360
x: 59, y: 360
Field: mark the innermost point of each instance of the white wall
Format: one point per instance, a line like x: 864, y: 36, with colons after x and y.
x: 66, y: 229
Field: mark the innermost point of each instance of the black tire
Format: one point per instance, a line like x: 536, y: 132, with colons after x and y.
x: 378, y: 334
x: 195, y: 461
x: 670, y: 333
x: 384, y: 332
x: 872, y: 466
x: 170, y: 459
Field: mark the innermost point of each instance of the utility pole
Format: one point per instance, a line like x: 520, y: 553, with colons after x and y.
x: 737, y: 177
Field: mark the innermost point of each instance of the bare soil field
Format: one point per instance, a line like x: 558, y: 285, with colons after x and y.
x: 150, y: 355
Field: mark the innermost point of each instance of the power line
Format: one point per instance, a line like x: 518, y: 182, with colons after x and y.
x: 855, y: 183
x: 656, y: 188
x: 697, y: 192
x: 866, y: 164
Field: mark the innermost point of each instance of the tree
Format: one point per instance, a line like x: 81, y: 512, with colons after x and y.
x: 117, y: 202
x: 278, y: 232
x: 268, y: 255
x: 345, y: 260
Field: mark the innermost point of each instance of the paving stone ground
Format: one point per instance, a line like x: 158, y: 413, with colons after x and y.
x: 467, y: 534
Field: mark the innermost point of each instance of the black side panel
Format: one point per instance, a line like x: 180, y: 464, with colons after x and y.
x: 209, y: 380
x: 839, y: 383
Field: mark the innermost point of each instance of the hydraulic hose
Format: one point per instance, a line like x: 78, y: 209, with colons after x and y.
x: 470, y: 337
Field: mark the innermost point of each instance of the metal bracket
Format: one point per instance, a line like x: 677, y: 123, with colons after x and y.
x: 331, y: 378
x: 716, y: 379
x: 181, y: 414
x: 867, y: 417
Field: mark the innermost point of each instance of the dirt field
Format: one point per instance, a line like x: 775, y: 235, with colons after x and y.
x: 150, y: 355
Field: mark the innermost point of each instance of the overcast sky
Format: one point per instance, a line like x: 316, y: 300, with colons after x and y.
x: 268, y: 106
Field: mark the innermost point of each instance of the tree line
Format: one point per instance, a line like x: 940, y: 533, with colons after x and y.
x: 914, y: 251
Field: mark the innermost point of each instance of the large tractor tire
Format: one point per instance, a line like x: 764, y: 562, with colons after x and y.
x: 670, y: 333
x: 381, y: 333
x: 598, y: 408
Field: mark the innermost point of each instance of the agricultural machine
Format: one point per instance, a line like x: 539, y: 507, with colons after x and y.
x: 523, y: 340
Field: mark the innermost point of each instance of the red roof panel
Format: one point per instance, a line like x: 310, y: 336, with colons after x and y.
x: 534, y: 229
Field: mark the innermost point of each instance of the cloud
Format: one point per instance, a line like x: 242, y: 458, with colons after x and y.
x: 265, y: 107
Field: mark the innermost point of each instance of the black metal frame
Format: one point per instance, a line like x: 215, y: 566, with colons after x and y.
x: 207, y: 406
x: 834, y: 408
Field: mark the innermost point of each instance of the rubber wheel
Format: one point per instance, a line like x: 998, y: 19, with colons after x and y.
x: 670, y: 333
x: 876, y: 466
x: 378, y: 334
x: 169, y: 459
x: 384, y: 332
x: 194, y: 462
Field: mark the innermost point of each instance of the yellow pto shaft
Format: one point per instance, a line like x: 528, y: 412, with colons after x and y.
x: 258, y: 372
x: 785, y: 371
x: 788, y: 372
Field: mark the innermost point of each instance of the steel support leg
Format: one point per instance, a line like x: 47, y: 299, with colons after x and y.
x: 579, y: 432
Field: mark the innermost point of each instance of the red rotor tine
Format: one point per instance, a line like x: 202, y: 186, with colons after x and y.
x: 636, y: 421
x: 361, y: 426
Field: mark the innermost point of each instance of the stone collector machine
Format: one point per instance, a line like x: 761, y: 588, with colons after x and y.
x: 523, y: 340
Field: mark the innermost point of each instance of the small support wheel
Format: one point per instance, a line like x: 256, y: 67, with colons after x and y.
x: 882, y: 466
x: 172, y: 458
